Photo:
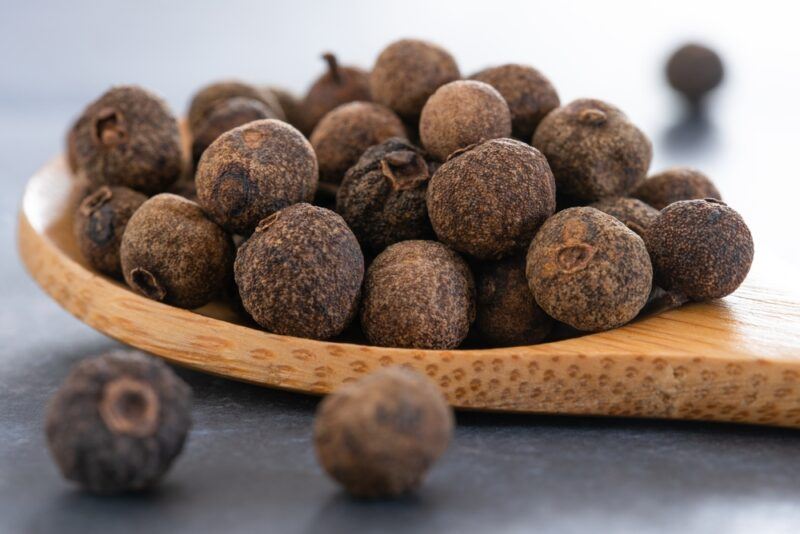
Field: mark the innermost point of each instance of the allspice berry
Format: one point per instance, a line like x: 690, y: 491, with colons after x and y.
x: 173, y: 253
x: 118, y: 422
x: 128, y: 137
x: 253, y: 171
x: 300, y: 273
x: 382, y: 197
x: 588, y: 270
x: 460, y: 114
x: 418, y: 294
x: 632, y: 212
x: 701, y: 249
x: 226, y: 116
x: 489, y: 200
x: 593, y: 149
x: 210, y: 96
x: 407, y: 73
x: 674, y: 184
x: 291, y: 105
x: 346, y: 132
x: 100, y: 222
x: 379, y: 436
x: 694, y: 70
x: 529, y: 94
x: 339, y: 85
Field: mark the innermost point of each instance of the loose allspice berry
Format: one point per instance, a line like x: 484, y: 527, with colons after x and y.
x: 694, y: 70
x: 593, y: 150
x: 701, y: 249
x: 128, y: 137
x: 632, y: 212
x: 382, y: 197
x: 173, y: 253
x: 674, y: 184
x: 300, y: 273
x: 489, y: 199
x: 588, y: 270
x: 418, y: 294
x: 379, y: 436
x: 253, y: 171
x: 460, y: 114
x: 118, y: 422
x: 100, y: 222
x: 210, y: 96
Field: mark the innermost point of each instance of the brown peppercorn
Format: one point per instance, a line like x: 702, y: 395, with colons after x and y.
x: 378, y: 437
x: 418, y: 294
x: 460, y: 114
x: 700, y: 248
x: 507, y: 313
x: 339, y: 85
x: 254, y: 170
x: 226, y: 116
x: 529, y: 94
x: 118, y: 421
x: 382, y: 197
x: 208, y: 97
x: 346, y: 132
x: 632, y: 212
x: 593, y: 149
x: 300, y: 273
x: 407, y: 73
x: 694, y: 70
x: 128, y: 137
x: 489, y: 200
x: 173, y: 253
x: 587, y: 269
x: 291, y: 105
x: 674, y: 184
x: 100, y: 222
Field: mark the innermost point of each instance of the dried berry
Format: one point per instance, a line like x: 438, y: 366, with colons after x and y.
x: 634, y: 213
x: 418, y: 294
x: 672, y: 185
x: 694, y: 70
x: 128, y: 137
x: 379, y: 436
x: 346, y: 132
x: 507, y: 312
x: 226, y: 116
x: 291, y: 105
x: 339, y: 85
x: 171, y: 252
x: 100, y: 222
x: 701, y: 249
x: 300, y: 273
x: 118, y: 421
x: 587, y: 269
x: 407, y: 73
x: 207, y: 98
x: 593, y: 149
x: 254, y: 170
x: 382, y: 197
x: 490, y: 199
x: 529, y: 94
x: 460, y: 114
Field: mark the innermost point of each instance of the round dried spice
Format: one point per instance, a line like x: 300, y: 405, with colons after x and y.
x: 418, y: 294
x: 226, y: 116
x: 254, y: 170
x: 291, y: 105
x: 694, y: 70
x: 382, y: 197
x: 346, y: 132
x: 207, y: 98
x: 128, y: 137
x: 406, y: 74
x: 300, y: 273
x: 379, y: 436
x: 588, y: 270
x: 529, y: 94
x: 593, y: 149
x: 173, y: 253
x: 634, y: 213
x: 672, y: 185
x: 701, y: 249
x: 339, y: 85
x: 489, y: 200
x: 460, y: 114
x: 100, y: 222
x: 117, y: 422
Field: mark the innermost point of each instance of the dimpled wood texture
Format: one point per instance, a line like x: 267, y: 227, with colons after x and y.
x: 736, y: 359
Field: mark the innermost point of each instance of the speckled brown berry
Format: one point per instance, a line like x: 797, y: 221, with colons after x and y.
x: 593, y: 149
x: 674, y: 184
x: 700, y: 248
x: 489, y: 200
x: 226, y: 116
x: 254, y: 170
x: 208, y: 97
x: 300, y: 273
x: 694, y: 70
x: 339, y: 85
x: 529, y: 94
x: 588, y: 270
x: 460, y: 114
x: 173, y: 253
x: 418, y: 294
x: 634, y: 213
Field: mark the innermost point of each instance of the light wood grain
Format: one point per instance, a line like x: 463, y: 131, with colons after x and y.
x: 737, y: 359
